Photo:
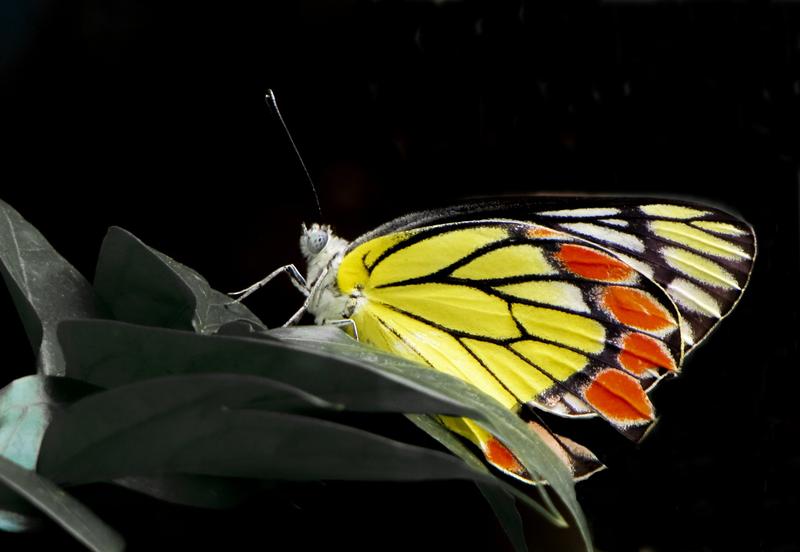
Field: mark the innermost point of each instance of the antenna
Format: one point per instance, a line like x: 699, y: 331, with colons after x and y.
x: 273, y: 105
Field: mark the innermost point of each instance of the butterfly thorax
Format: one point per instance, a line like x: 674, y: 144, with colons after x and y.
x: 324, y: 252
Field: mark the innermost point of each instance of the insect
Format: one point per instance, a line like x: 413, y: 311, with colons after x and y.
x: 576, y: 306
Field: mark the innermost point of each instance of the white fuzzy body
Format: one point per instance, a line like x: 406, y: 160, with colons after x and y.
x: 326, y: 302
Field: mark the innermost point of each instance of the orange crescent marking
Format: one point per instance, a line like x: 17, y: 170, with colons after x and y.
x: 619, y: 397
x: 641, y: 352
x: 592, y: 264
x: 637, y: 309
x: 541, y: 232
x: 497, y: 453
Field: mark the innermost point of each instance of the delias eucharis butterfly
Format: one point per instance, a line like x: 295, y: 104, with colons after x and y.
x: 574, y: 305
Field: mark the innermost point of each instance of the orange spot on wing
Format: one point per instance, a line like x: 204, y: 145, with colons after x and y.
x: 542, y: 232
x: 619, y: 397
x: 497, y: 453
x: 640, y: 353
x: 637, y: 309
x: 593, y: 264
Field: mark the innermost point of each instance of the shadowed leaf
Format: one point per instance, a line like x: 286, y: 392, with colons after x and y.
x: 320, y: 360
x: 501, y: 500
x: 109, y: 354
x: 532, y: 452
x: 26, y: 408
x: 199, y: 491
x: 203, y: 424
x: 142, y: 286
x: 60, y: 507
x: 45, y: 288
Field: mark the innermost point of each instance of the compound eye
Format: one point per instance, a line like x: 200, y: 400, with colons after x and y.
x: 317, y: 239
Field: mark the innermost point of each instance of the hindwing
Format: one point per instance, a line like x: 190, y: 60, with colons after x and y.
x: 576, y: 306
x: 525, y: 313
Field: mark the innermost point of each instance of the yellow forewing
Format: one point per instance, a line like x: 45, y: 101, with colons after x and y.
x: 574, y: 309
x: 475, y: 312
x: 519, y: 337
x: 700, y: 255
x: 353, y: 271
x: 514, y: 260
x: 720, y: 227
x: 557, y: 294
x: 572, y: 330
x: 525, y: 318
x: 557, y: 361
x: 671, y: 211
x: 700, y: 268
x: 697, y: 239
x: 432, y: 254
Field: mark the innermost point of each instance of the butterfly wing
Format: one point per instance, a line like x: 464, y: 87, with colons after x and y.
x: 593, y: 285
x: 702, y: 256
x: 528, y: 314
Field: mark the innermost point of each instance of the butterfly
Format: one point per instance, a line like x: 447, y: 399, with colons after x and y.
x: 576, y: 306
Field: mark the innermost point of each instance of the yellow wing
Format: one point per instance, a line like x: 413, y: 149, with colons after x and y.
x: 527, y: 314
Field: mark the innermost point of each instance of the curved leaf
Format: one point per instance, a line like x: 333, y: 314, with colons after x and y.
x: 26, y: 408
x: 501, y: 500
x: 537, y: 458
x: 322, y: 361
x: 142, y: 286
x: 109, y: 354
x: 199, y: 491
x: 59, y: 506
x: 44, y: 287
x: 202, y: 424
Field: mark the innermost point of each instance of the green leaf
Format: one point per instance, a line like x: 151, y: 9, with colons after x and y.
x: 203, y: 424
x: 529, y: 449
x: 109, y: 354
x: 60, y: 507
x: 26, y: 408
x: 320, y: 360
x: 45, y: 288
x: 199, y: 491
x: 142, y: 286
x: 112, y: 353
x: 501, y: 500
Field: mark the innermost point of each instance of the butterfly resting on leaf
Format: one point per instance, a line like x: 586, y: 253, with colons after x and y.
x: 572, y: 305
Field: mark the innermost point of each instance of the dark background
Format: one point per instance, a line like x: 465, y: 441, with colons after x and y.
x: 150, y: 115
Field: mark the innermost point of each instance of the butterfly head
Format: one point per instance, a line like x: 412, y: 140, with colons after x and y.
x: 322, y: 250
x: 314, y: 239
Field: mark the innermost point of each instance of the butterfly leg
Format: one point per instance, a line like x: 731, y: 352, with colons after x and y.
x: 300, y: 312
x: 310, y: 293
x: 294, y: 275
x: 346, y: 322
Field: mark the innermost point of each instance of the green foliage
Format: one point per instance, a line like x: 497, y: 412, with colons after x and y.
x: 140, y: 285
x: 45, y: 288
x: 26, y: 409
x: 154, y: 381
x: 63, y: 509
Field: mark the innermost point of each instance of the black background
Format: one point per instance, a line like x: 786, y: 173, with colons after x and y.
x: 150, y: 115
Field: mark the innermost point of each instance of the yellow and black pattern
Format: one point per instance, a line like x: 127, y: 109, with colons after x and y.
x: 525, y: 313
x: 573, y: 305
x: 701, y: 256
